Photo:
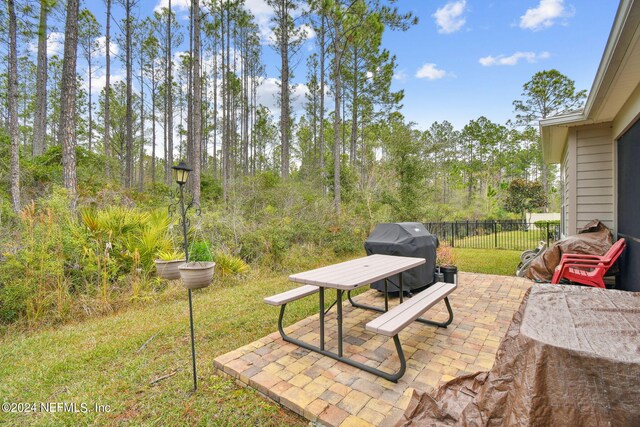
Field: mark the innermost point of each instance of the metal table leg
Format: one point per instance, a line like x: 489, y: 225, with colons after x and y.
x: 322, y: 313
x: 339, y: 299
x: 394, y: 377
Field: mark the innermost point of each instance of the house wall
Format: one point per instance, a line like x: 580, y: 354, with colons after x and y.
x: 569, y: 173
x: 566, y: 185
x: 594, y: 177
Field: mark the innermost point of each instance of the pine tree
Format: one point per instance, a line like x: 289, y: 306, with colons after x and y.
x: 67, y: 131
x: 40, y: 117
x: 288, y: 40
x: 89, y: 29
x: 13, y: 107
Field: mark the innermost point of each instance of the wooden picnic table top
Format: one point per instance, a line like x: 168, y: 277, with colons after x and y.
x: 357, y: 272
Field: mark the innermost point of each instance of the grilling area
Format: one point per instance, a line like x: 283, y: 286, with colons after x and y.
x: 333, y: 393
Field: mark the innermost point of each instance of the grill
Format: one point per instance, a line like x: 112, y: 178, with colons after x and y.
x: 405, y: 239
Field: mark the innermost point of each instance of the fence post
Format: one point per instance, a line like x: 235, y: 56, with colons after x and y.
x: 548, y: 234
x: 495, y: 234
x: 453, y: 233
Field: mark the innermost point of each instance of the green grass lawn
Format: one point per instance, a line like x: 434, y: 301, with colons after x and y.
x: 487, y: 261
x: 99, y: 361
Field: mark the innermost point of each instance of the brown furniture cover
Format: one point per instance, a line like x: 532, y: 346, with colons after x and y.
x: 571, y: 357
x: 594, y: 239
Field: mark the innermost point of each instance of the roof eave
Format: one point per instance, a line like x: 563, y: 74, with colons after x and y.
x: 554, y: 132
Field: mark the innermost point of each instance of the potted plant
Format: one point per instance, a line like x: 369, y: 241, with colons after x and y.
x: 198, y: 272
x: 446, y: 260
x: 167, y: 264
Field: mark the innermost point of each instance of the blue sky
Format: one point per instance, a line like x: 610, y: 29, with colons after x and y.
x: 484, y: 51
x: 465, y: 58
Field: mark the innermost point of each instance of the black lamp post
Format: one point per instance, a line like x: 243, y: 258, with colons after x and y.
x: 180, y: 175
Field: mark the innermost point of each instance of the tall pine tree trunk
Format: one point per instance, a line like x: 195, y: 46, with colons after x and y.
x: 169, y: 127
x: 189, y: 94
x: 197, y: 105
x: 354, y: 114
x: 128, y: 169
x: 40, y: 114
x: 245, y: 133
x: 141, y: 159
x: 215, y: 109
x: 67, y: 129
x: 13, y: 107
x: 226, y: 165
x: 322, y: 81
x: 107, y: 91
x: 284, y: 89
x: 90, y: 105
x: 153, y: 121
x: 336, y: 124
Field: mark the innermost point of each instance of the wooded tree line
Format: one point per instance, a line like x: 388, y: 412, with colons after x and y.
x: 202, y: 104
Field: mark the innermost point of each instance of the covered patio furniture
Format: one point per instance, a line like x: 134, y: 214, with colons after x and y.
x: 571, y: 357
x: 593, y: 239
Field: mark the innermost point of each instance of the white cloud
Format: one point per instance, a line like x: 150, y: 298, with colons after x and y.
x: 269, y: 90
x: 175, y: 5
x: 431, y: 72
x: 530, y: 57
x: 309, y: 32
x: 263, y: 14
x: 99, y: 80
x: 544, y: 15
x: 102, y: 41
x: 400, y: 76
x: 258, y: 7
x: 55, y: 44
x: 449, y: 17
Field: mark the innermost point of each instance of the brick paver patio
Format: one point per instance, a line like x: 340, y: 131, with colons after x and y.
x: 335, y: 394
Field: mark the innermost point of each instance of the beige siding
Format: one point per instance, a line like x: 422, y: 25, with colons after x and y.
x: 566, y: 182
x: 594, y: 176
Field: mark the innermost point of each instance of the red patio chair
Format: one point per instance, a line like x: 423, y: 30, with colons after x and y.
x: 588, y: 269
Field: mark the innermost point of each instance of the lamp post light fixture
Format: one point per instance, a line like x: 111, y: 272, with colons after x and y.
x: 181, y: 175
x: 181, y: 172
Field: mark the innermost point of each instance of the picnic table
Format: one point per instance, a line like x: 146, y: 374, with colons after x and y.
x: 350, y: 275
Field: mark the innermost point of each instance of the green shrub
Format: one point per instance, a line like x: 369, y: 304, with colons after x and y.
x: 229, y: 265
x: 200, y: 251
x: 66, y: 264
x: 345, y: 242
x: 210, y: 188
x: 33, y: 275
x: 170, y: 255
x: 543, y: 224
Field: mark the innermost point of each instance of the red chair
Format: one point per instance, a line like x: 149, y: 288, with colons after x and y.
x: 588, y: 269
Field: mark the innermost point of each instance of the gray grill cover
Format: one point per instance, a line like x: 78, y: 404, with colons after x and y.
x: 405, y: 239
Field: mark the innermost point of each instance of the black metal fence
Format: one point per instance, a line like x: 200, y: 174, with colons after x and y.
x: 511, y: 234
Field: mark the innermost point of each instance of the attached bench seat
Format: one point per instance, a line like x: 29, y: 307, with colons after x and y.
x: 291, y: 295
x: 396, y: 319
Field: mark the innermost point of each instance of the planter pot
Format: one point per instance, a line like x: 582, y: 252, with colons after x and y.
x: 450, y: 273
x: 168, y: 269
x: 196, y: 275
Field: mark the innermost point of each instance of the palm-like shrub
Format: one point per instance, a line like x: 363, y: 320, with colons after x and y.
x: 229, y: 265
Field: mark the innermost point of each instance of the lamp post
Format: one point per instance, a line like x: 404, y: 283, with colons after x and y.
x: 180, y: 175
